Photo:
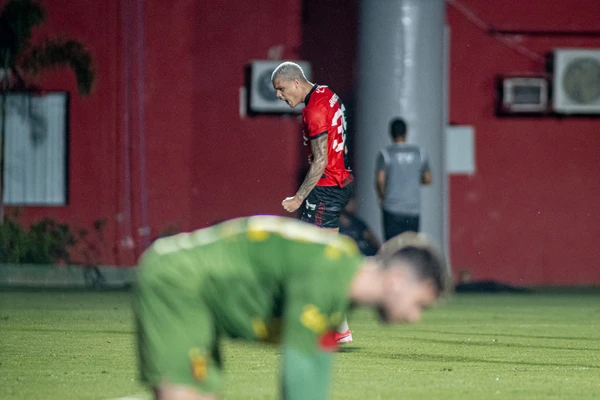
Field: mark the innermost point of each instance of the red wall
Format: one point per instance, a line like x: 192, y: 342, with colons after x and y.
x: 528, y: 215
x: 203, y: 161
x: 95, y: 122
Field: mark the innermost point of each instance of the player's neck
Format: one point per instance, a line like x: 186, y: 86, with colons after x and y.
x: 306, y: 88
x: 366, y: 286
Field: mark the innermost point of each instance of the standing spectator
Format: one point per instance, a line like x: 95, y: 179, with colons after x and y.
x: 401, y: 169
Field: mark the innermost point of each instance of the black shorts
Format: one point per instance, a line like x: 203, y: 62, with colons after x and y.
x: 324, y: 205
x: 395, y: 224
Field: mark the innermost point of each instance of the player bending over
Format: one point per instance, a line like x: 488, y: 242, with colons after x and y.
x: 271, y: 279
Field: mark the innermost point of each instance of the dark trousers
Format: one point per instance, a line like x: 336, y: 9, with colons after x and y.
x: 395, y: 224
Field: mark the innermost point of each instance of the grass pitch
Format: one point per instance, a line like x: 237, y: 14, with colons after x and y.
x: 74, y: 345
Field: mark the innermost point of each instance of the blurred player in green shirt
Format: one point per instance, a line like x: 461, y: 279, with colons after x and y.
x: 270, y: 279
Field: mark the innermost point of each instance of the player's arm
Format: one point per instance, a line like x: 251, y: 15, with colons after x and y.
x: 317, y: 124
x: 318, y: 146
x: 315, y: 303
x: 305, y: 377
x: 380, y: 184
x: 380, y: 177
x: 307, y: 353
x: 426, y: 178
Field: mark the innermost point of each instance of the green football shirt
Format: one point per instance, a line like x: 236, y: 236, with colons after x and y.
x: 265, y: 278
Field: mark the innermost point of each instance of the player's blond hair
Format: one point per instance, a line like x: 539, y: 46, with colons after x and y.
x: 289, y: 71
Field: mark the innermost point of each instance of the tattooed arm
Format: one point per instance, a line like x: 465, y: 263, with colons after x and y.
x: 317, y: 167
x: 318, y: 148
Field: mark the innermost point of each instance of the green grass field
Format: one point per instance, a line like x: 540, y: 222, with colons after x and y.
x: 77, y: 345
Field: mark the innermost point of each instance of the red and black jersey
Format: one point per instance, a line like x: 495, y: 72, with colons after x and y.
x: 324, y: 115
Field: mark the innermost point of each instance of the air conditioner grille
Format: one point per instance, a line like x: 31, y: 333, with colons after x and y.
x: 576, y: 81
x: 581, y: 80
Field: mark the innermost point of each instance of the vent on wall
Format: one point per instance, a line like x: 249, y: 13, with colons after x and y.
x: 576, y: 81
x: 523, y: 95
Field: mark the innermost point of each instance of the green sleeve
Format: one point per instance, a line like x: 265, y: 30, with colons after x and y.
x: 315, y: 304
x: 316, y: 296
x: 306, y: 376
x: 305, y: 366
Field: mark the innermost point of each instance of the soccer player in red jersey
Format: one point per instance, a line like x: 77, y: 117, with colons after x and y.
x: 328, y: 184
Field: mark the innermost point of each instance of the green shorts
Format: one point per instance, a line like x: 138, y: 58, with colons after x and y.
x: 176, y: 335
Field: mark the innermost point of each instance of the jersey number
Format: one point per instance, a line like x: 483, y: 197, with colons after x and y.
x: 339, y: 120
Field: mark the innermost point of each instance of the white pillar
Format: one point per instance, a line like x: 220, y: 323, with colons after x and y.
x: 401, y: 74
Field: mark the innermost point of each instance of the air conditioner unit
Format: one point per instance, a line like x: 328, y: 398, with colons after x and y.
x: 523, y: 95
x: 576, y: 81
x: 262, y: 95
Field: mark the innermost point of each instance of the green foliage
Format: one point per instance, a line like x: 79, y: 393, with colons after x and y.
x: 14, y: 242
x: 17, y: 20
x: 50, y: 241
x: 46, y: 242
x: 57, y: 52
x: 92, y: 246
x: 21, y: 58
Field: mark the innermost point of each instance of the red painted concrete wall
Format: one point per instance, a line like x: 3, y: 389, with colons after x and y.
x: 203, y: 162
x: 528, y: 216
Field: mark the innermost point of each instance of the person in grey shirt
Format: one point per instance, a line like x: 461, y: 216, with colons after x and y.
x: 401, y: 169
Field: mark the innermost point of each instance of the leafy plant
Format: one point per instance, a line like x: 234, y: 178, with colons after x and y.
x: 46, y: 242
x: 50, y: 242
x: 93, y: 245
x: 14, y: 242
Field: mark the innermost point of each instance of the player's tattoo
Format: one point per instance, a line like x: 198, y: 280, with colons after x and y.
x: 318, y: 147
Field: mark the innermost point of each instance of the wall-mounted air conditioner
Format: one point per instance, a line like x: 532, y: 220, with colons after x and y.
x: 576, y: 81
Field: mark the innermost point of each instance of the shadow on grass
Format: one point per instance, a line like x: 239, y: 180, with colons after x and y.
x: 496, y: 344
x: 82, y: 331
x: 51, y: 289
x: 491, y: 334
x: 462, y: 359
x: 346, y: 349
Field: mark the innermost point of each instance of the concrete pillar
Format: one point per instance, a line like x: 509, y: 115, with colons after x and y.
x: 401, y: 73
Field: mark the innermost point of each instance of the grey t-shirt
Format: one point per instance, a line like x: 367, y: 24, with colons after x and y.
x: 403, y: 164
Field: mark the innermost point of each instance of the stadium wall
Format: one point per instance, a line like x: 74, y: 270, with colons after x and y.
x: 169, y: 75
x: 203, y: 161
x: 529, y: 215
